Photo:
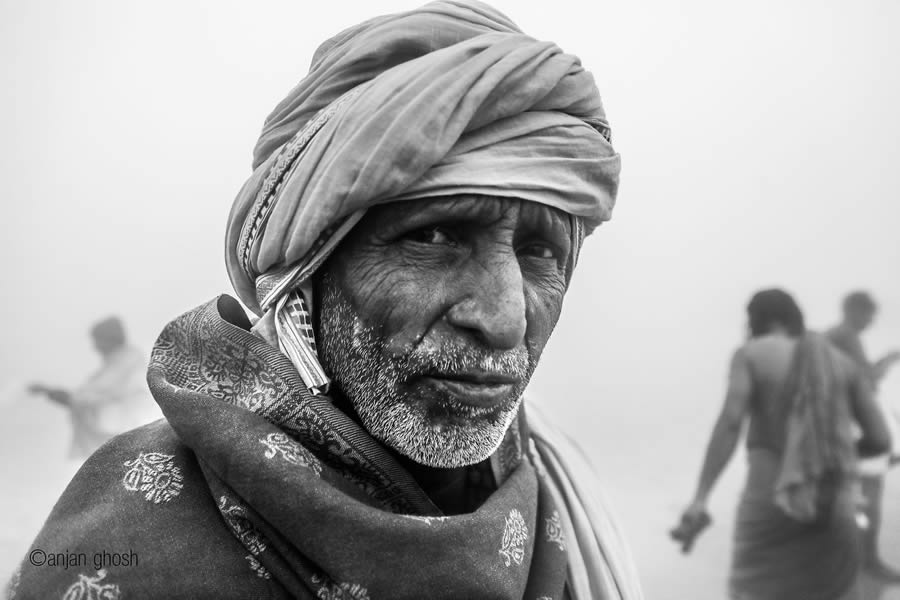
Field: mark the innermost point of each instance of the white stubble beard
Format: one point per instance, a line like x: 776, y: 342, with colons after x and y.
x: 357, y: 361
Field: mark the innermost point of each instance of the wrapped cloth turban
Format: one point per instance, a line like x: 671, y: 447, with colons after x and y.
x: 451, y: 98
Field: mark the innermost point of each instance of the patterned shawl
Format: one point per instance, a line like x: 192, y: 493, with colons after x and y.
x: 255, y: 489
x: 818, y: 453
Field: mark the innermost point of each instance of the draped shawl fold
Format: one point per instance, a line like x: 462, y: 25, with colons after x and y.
x: 447, y: 99
x: 819, y: 454
x: 255, y: 489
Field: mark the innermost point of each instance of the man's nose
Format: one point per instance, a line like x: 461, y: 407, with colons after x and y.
x: 492, y: 305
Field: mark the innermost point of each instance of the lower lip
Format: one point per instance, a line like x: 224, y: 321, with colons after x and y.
x: 483, y: 395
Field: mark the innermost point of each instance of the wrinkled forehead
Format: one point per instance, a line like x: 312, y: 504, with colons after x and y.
x: 473, y: 209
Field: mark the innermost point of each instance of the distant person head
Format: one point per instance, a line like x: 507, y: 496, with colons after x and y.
x: 108, y: 335
x: 773, y: 310
x: 859, y: 310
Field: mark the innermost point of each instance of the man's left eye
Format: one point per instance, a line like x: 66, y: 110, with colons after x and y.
x: 431, y: 235
x: 539, y: 251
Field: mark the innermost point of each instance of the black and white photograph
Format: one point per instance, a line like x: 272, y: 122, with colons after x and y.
x: 459, y: 299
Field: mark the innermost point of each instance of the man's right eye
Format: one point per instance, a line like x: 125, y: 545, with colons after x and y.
x: 431, y: 235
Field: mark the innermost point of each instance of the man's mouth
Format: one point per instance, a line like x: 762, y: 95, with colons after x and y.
x: 477, y: 388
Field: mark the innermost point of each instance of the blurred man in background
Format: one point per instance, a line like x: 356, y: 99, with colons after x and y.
x: 859, y: 310
x: 114, y: 399
x: 795, y: 531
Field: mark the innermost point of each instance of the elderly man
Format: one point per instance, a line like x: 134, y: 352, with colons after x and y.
x: 406, y: 239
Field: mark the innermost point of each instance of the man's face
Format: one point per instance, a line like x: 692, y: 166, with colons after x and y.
x: 108, y: 338
x: 861, y: 318
x: 433, y: 315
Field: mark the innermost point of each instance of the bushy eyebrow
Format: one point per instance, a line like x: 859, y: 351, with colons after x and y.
x: 548, y: 224
x: 546, y: 218
x: 529, y: 223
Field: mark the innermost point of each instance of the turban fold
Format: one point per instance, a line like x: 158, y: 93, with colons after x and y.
x: 447, y: 99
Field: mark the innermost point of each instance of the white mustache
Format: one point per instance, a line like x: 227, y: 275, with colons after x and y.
x: 453, y: 358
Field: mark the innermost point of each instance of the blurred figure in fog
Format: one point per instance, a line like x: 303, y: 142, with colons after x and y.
x: 859, y: 310
x: 796, y: 532
x: 114, y: 399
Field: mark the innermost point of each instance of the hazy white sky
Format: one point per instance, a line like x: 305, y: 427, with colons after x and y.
x: 760, y: 145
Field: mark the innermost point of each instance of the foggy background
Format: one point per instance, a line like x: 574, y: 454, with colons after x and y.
x: 760, y: 146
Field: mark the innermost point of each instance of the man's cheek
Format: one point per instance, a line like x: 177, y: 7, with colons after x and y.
x: 392, y: 297
x: 409, y: 313
x: 366, y: 277
x: 543, y: 307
